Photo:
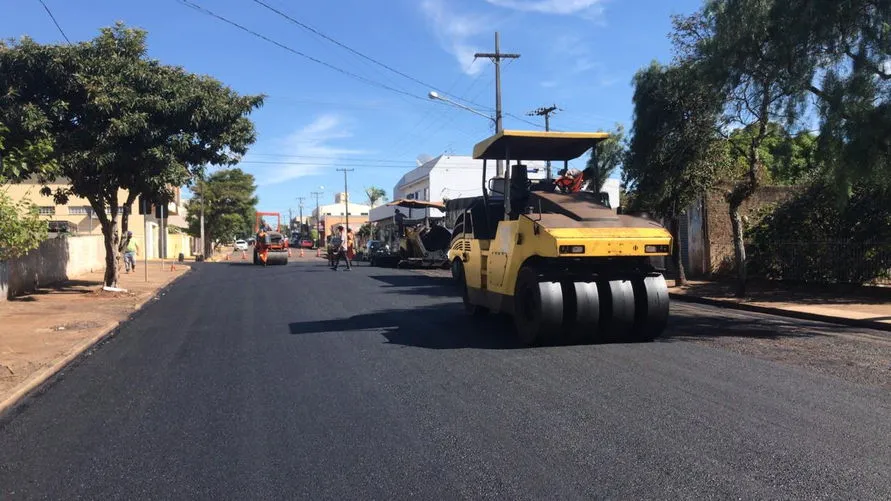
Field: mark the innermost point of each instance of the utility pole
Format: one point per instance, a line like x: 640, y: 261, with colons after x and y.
x: 546, y: 113
x: 346, y: 198
x: 300, y: 224
x: 317, y: 194
x: 496, y: 58
x: 201, y: 194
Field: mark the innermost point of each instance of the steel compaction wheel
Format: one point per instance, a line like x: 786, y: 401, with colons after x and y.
x: 277, y: 258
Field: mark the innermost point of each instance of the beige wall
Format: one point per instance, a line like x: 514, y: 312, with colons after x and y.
x: 55, y: 260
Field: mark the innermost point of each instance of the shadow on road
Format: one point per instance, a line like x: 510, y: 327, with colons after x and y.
x: 438, y: 327
x: 418, y: 285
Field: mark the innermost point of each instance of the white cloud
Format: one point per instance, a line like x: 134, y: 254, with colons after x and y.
x: 455, y: 32
x: 586, y: 8
x: 308, y: 151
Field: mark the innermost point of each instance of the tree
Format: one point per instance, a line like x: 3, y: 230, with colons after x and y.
x: 787, y: 158
x: 838, y: 53
x: 230, y: 205
x: 671, y: 158
x: 120, y: 121
x: 606, y: 157
x: 375, y: 195
x: 743, y: 54
x: 21, y: 228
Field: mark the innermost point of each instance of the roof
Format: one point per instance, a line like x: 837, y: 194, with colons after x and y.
x: 416, y: 204
x: 537, y: 145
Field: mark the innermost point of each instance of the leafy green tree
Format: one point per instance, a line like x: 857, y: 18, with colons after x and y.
x: 839, y: 53
x: 375, y: 195
x: 787, y: 158
x: 672, y: 154
x: 230, y: 205
x: 605, y: 159
x: 118, y: 120
x: 21, y: 228
x: 740, y: 49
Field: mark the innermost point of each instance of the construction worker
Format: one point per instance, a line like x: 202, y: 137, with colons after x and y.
x: 339, y: 243
x: 131, y: 250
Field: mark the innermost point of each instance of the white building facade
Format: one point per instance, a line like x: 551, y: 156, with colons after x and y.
x: 452, y: 176
x: 443, y: 178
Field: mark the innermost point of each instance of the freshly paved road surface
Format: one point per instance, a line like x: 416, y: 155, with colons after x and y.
x: 301, y: 383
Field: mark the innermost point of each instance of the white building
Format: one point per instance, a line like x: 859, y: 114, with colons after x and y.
x: 452, y: 176
x: 443, y: 178
x: 340, y: 209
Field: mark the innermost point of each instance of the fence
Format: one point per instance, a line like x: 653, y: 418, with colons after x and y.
x: 823, y: 262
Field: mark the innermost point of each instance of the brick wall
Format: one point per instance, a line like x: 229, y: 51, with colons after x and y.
x: 719, y: 233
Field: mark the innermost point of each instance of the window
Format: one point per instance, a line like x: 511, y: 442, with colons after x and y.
x: 48, y: 210
x: 363, y: 214
x: 79, y: 210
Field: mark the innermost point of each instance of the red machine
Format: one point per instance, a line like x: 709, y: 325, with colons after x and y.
x: 272, y: 244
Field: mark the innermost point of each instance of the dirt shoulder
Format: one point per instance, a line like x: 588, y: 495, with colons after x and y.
x: 41, y: 330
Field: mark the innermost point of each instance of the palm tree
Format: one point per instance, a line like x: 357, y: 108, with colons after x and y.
x: 375, y: 195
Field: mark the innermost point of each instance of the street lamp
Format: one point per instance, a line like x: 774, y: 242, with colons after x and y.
x: 436, y: 97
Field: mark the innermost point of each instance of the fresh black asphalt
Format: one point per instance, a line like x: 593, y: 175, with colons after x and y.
x: 298, y: 382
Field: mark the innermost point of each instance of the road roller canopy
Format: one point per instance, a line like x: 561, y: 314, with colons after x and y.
x: 537, y: 145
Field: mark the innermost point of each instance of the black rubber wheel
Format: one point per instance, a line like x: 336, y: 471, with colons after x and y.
x: 256, y: 257
x: 458, y: 272
x: 538, y: 309
x: 585, y: 326
x: 616, y: 310
x: 651, y: 308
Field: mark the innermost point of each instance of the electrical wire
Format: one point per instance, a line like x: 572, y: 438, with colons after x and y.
x: 48, y: 11
x: 299, y: 53
x: 356, y: 52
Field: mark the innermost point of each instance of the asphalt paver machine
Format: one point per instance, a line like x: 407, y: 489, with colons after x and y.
x: 565, y: 266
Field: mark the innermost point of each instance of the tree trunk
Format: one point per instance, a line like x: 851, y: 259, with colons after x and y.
x: 676, y: 257
x: 739, y: 248
x: 112, y: 255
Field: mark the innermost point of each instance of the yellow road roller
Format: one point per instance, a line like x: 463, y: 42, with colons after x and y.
x: 566, y: 266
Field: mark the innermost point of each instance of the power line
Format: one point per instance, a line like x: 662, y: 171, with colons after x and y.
x: 299, y: 53
x: 48, y: 11
x: 354, y: 51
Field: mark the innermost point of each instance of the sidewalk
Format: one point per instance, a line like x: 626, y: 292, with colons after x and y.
x: 868, y: 307
x: 43, y: 331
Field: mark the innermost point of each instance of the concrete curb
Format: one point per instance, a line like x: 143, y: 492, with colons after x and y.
x: 816, y: 317
x: 44, y: 378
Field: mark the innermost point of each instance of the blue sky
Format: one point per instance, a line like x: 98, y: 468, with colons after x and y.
x: 577, y: 54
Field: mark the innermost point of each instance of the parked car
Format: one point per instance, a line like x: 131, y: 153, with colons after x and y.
x: 306, y: 243
x: 241, y: 245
